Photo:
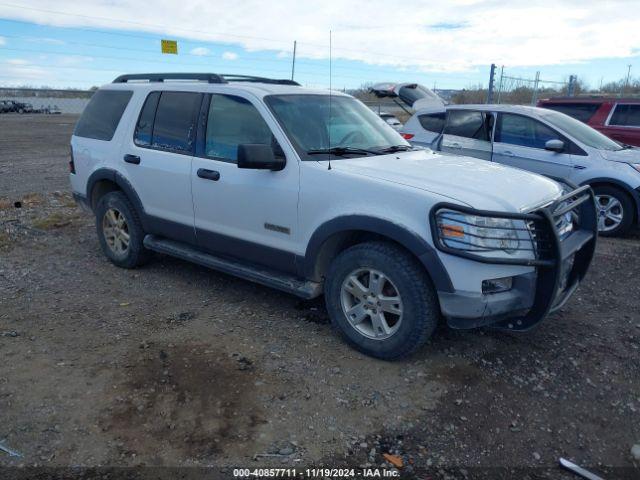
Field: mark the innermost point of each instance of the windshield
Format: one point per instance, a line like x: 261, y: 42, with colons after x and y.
x: 580, y: 131
x: 309, y: 125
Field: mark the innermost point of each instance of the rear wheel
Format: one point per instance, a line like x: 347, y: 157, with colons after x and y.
x: 614, y: 209
x: 381, y: 300
x: 120, y: 231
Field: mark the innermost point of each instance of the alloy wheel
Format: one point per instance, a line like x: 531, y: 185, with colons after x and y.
x: 610, y: 212
x: 371, y: 303
x: 116, y: 231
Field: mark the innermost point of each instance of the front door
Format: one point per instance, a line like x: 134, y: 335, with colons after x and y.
x: 520, y: 142
x: 468, y: 132
x: 244, y: 213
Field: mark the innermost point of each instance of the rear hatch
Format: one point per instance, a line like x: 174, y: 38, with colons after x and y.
x: 413, y: 95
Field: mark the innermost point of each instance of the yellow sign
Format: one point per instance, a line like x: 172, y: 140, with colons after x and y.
x: 169, y: 46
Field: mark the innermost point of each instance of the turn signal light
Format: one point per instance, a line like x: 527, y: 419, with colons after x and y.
x: 407, y: 136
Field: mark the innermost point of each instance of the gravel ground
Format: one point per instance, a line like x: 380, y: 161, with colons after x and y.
x: 175, y: 365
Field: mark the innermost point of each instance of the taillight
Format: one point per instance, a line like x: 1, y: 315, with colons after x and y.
x: 72, y: 165
x: 407, y: 136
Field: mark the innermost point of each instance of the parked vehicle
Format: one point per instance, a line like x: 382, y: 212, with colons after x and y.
x: 5, y: 106
x: 310, y: 192
x: 617, y: 118
x: 542, y: 141
x: 391, y: 120
x: 413, y: 95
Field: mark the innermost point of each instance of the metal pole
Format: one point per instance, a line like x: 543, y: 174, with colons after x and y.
x: 572, y: 86
x: 500, y: 85
x: 491, y: 83
x: 534, y: 97
x: 293, y: 62
x: 626, y: 82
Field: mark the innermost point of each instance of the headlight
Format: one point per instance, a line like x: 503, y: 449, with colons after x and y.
x: 635, y: 166
x: 476, y: 234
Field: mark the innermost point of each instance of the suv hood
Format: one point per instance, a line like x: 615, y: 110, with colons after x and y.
x: 476, y: 183
x: 629, y: 155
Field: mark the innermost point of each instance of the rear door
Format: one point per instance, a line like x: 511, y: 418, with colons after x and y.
x: 468, y: 132
x: 520, y: 142
x: 157, y: 160
x: 623, y: 124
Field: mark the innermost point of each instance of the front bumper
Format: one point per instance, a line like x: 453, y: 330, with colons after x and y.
x: 560, y: 265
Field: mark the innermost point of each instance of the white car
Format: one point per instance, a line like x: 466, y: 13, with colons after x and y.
x: 310, y: 192
x: 543, y: 141
x: 391, y: 120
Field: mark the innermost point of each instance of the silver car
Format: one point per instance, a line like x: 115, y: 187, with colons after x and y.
x: 542, y: 141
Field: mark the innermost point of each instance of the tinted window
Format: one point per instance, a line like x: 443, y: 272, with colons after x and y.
x: 412, y: 93
x: 579, y: 131
x: 174, y: 126
x: 102, y: 114
x: 523, y: 131
x: 434, y: 122
x: 467, y: 123
x: 233, y: 121
x: 144, y: 127
x: 626, y: 116
x: 579, y: 111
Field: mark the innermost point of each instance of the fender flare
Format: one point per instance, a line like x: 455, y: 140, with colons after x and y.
x: 634, y: 194
x: 396, y: 232
x: 119, y: 179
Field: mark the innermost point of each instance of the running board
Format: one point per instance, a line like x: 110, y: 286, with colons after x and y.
x: 270, y: 278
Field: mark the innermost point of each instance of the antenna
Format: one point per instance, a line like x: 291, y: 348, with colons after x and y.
x: 330, y: 95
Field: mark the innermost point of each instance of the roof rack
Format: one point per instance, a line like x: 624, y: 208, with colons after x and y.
x: 203, y: 77
x: 161, y: 77
x: 231, y: 77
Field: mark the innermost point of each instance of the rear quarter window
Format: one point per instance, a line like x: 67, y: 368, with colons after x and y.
x: 579, y: 111
x: 433, y: 122
x: 102, y: 115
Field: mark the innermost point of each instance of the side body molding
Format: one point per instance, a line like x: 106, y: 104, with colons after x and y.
x: 398, y: 233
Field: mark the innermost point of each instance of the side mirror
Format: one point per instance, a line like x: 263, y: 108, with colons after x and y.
x: 259, y: 156
x: 554, y: 146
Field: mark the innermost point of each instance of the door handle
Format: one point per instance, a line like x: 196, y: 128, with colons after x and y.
x: 135, y: 159
x: 455, y: 145
x: 209, y: 174
x: 507, y: 153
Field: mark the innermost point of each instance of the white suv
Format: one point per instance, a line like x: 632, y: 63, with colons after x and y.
x: 312, y: 193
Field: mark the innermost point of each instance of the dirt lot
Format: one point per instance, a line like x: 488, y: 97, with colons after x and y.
x: 176, y: 365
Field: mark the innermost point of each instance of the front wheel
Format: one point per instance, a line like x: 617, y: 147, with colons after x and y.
x: 614, y: 209
x: 381, y: 300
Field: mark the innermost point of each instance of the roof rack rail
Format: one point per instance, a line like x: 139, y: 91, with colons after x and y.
x: 231, y: 77
x: 161, y: 77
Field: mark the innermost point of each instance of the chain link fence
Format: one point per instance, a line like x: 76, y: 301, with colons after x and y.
x: 43, y: 100
x: 521, y: 91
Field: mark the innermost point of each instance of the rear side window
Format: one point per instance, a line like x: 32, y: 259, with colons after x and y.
x: 579, y: 111
x: 523, y: 131
x: 233, y: 121
x: 144, y: 127
x: 433, y: 122
x: 469, y: 124
x: 626, y: 116
x: 174, y: 126
x: 102, y: 115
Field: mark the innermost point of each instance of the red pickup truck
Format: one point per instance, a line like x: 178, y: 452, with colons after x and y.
x: 617, y: 118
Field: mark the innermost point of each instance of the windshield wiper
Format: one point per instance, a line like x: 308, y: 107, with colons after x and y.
x: 341, y: 151
x: 396, y: 148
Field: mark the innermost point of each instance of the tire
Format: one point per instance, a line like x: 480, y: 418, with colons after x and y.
x: 403, y: 334
x: 115, y: 210
x: 621, y: 202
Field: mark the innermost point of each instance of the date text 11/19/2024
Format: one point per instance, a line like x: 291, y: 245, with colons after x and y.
x: 315, y: 473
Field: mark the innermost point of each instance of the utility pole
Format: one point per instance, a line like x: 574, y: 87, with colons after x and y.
x: 626, y: 82
x: 492, y: 74
x: 571, y: 90
x: 293, y: 63
x: 534, y: 97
